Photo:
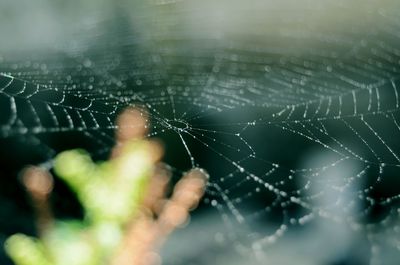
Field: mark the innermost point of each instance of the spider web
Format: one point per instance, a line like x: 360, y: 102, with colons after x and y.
x: 297, y: 126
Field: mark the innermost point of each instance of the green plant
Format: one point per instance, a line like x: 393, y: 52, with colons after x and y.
x: 127, y: 214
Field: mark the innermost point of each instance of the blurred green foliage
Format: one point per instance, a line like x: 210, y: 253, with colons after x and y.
x: 110, y: 193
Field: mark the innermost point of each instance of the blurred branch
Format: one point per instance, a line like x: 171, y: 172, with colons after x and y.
x: 127, y: 212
